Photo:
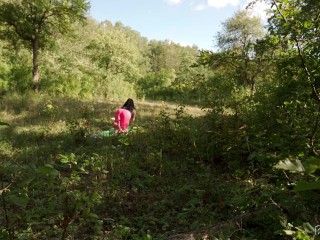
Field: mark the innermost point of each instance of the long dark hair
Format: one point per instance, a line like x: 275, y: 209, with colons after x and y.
x: 129, y: 105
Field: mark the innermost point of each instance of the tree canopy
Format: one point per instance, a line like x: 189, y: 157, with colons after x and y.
x: 35, y: 23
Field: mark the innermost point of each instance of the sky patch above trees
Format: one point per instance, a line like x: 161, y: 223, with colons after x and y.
x: 188, y: 22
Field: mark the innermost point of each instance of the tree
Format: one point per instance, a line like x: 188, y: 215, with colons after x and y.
x: 298, y: 21
x: 236, y: 43
x: 165, y: 55
x: 35, y: 23
x: 67, y: 68
x: 117, y: 51
x: 240, y: 32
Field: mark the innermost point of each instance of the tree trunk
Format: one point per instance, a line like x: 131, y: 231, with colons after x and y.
x: 35, y: 65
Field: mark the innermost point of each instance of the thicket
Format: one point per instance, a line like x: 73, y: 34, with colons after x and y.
x: 104, y: 60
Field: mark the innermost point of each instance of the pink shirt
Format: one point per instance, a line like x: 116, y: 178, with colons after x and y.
x: 124, y: 116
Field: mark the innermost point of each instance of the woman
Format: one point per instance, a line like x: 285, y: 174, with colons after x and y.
x: 124, y: 116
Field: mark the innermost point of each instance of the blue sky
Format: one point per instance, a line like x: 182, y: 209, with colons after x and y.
x: 186, y: 22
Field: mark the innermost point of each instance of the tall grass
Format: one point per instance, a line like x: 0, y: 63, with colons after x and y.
x: 60, y: 180
x: 47, y: 138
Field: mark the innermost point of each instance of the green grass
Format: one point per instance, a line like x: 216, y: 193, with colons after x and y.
x: 66, y: 183
x: 139, y: 178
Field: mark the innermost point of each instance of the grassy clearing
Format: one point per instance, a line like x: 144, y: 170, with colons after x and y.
x: 31, y: 109
x: 161, y: 180
x: 119, y: 188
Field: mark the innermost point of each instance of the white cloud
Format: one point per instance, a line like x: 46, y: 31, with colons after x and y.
x: 200, y: 7
x: 258, y: 9
x: 173, y: 2
x: 222, y: 3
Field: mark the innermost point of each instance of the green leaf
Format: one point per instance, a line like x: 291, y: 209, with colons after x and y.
x: 290, y: 165
x: 93, y: 215
x: 307, y: 24
x: 4, y: 124
x: 308, y: 228
x: 64, y: 159
x: 312, y: 164
x: 289, y: 232
x: 47, y: 169
x: 19, y: 201
x: 307, y: 186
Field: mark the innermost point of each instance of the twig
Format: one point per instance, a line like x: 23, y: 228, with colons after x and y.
x: 10, y: 231
x: 313, y: 134
x: 6, y: 189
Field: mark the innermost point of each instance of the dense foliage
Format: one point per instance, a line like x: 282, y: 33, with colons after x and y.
x: 93, y: 59
x: 245, y: 167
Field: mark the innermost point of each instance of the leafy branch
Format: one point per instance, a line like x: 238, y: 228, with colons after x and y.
x: 301, y: 54
x: 310, y: 78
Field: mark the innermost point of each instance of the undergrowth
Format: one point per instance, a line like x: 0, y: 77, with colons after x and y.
x: 177, y: 176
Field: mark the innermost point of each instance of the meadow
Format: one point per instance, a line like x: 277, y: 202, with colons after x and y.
x: 61, y: 179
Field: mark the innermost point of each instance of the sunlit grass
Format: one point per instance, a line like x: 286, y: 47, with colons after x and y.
x: 32, y: 110
x: 148, y: 108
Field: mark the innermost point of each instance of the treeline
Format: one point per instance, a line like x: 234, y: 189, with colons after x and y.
x: 91, y: 59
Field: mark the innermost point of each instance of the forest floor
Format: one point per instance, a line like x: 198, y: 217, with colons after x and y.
x: 152, y: 184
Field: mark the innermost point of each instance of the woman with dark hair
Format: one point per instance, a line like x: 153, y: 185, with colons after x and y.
x: 124, y: 116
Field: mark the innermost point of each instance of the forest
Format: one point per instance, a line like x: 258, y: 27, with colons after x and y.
x: 226, y: 143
